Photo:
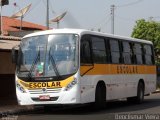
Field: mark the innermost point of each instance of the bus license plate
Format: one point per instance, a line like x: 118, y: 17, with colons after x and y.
x: 44, y: 97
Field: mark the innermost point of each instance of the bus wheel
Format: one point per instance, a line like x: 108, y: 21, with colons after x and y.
x: 140, y: 93
x: 100, y: 96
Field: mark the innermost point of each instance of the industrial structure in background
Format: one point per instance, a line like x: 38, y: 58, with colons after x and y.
x: 21, y: 14
x: 58, y: 19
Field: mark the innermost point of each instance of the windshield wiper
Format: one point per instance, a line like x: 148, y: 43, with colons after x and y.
x: 33, y: 64
x: 54, y: 66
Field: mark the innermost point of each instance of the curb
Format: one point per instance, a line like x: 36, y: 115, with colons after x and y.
x: 157, y: 91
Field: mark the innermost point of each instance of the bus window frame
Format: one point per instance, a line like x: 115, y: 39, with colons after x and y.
x: 152, y: 55
x: 86, y: 38
x: 105, y: 50
x: 120, y: 51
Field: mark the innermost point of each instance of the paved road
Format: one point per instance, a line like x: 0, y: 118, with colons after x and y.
x: 149, y: 110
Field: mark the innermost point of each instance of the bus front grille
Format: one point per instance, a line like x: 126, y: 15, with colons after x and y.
x: 44, y: 90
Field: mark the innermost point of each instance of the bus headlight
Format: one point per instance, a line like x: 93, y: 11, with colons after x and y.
x: 20, y: 88
x: 71, y: 84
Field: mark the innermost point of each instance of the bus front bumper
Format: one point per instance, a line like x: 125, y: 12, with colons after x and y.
x: 63, y: 97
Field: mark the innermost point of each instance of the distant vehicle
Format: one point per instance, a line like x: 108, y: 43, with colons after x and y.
x: 75, y: 66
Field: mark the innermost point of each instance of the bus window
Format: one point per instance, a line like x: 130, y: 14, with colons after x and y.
x: 138, y: 53
x: 99, y: 50
x: 86, y: 57
x: 148, y: 54
x: 115, y: 51
x: 127, y: 53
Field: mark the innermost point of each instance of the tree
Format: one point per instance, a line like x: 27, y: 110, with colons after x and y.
x: 148, y: 30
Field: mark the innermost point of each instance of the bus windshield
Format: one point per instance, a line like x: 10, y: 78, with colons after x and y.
x: 48, y: 56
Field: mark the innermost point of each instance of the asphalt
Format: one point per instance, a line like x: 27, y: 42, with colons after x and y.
x: 11, y: 107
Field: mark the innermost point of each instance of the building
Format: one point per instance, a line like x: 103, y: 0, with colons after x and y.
x: 11, y: 28
x: 7, y: 68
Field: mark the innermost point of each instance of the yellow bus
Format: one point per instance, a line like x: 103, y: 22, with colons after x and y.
x: 76, y: 66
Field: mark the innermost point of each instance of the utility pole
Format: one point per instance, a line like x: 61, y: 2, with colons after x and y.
x: 21, y: 22
x: 1, y: 17
x: 47, y: 15
x: 151, y: 18
x: 2, y: 3
x: 112, y: 18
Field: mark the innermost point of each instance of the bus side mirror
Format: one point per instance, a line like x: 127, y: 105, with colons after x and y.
x: 15, y: 54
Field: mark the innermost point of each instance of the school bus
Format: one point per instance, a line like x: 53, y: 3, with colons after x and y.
x: 76, y: 66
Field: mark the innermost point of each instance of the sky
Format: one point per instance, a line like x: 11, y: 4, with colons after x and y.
x: 89, y: 14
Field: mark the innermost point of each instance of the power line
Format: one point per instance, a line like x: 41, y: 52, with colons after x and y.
x: 46, y: 4
x: 52, y: 10
x: 105, y: 23
x: 118, y: 6
x: 47, y: 14
x: 129, y: 4
x: 126, y: 19
x: 34, y: 6
x: 102, y: 21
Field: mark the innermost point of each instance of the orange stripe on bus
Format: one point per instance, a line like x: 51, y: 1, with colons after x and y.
x: 103, y: 69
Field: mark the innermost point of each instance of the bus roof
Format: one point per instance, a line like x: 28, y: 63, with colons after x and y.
x: 83, y: 31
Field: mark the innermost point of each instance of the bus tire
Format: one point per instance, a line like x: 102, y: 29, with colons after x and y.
x: 100, y: 96
x: 140, y: 94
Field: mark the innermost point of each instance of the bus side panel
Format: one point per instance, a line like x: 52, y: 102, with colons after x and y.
x: 115, y: 88
x: 89, y: 79
x: 151, y: 78
x: 150, y: 83
x: 87, y: 86
x: 118, y: 84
